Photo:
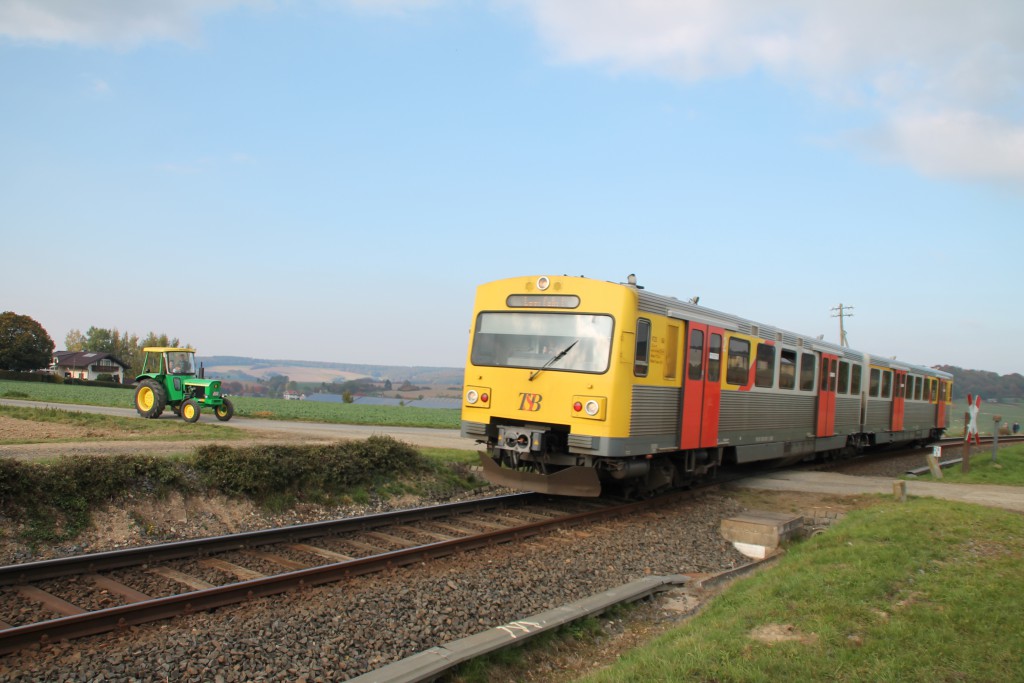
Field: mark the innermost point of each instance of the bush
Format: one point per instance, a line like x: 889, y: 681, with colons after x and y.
x: 54, y: 501
x: 259, y: 471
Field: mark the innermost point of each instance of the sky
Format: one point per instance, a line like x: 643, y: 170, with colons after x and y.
x: 330, y: 180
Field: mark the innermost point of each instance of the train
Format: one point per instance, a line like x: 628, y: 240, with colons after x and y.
x: 578, y: 387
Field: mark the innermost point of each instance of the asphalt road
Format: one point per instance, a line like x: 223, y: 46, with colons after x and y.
x: 417, y: 436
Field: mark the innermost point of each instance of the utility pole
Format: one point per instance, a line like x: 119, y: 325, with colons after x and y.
x: 842, y: 312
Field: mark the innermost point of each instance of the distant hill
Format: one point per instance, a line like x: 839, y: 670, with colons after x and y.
x: 984, y: 383
x: 251, y: 369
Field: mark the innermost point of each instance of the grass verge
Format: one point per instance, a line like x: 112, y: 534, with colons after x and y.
x: 924, y: 591
x: 93, y: 427
x: 1008, y: 468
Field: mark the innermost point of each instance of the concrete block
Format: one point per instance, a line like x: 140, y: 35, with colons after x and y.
x: 756, y: 534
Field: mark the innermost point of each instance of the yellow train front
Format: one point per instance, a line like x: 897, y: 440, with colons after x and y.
x: 566, y: 388
x: 575, y: 385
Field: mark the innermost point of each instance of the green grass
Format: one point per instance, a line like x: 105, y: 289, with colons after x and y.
x: 94, y: 427
x: 1007, y: 470
x: 346, y: 413
x: 922, y: 591
x: 267, y: 408
x: 66, y: 393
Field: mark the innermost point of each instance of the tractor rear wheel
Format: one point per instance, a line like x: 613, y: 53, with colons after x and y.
x: 224, y: 411
x: 150, y: 399
x: 190, y: 410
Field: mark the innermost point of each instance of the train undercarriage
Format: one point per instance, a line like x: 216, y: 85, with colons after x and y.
x: 535, y: 458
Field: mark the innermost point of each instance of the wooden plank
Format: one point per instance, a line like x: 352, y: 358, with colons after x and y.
x: 461, y: 531
x: 193, y: 582
x: 376, y: 550
x: 276, y: 559
x: 430, y: 534
x: 388, y: 538
x: 49, y: 601
x: 240, y: 572
x: 108, y: 584
x: 321, y: 552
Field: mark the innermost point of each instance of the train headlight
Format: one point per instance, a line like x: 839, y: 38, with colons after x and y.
x: 590, y: 407
x: 543, y: 283
x: 477, y: 397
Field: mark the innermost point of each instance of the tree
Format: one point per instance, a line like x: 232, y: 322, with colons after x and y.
x: 125, y: 347
x: 276, y: 384
x: 24, y: 344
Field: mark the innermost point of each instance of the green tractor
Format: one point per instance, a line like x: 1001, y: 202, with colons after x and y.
x: 169, y: 378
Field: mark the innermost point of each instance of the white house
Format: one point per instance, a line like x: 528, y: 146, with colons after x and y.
x: 87, y: 365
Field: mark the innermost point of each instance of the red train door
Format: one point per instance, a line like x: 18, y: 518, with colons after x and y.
x: 827, y: 395
x: 702, y: 387
x: 899, y: 399
x: 940, y: 408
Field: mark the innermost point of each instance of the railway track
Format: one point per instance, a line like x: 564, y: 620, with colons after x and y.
x: 71, y: 597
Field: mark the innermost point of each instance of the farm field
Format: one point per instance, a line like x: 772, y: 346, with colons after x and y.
x: 266, y: 408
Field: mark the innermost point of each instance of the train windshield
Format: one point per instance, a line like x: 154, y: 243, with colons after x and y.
x: 556, y: 341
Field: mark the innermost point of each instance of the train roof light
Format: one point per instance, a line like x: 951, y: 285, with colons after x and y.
x: 543, y: 283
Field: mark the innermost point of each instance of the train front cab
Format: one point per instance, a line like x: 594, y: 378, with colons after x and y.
x: 548, y: 363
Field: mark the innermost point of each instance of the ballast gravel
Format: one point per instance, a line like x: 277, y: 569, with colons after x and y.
x: 342, y: 630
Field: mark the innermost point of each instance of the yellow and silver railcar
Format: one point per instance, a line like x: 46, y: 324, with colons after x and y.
x: 573, y: 383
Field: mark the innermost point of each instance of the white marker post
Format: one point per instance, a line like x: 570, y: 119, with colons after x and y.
x: 933, y: 461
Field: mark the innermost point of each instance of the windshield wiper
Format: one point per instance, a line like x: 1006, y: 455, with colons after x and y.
x: 555, y: 359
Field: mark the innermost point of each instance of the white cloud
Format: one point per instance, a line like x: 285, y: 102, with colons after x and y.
x: 959, y: 144
x: 945, y: 77
x: 120, y: 23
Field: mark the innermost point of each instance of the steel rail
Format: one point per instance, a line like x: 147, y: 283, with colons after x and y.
x: 101, y: 621
x: 202, y: 547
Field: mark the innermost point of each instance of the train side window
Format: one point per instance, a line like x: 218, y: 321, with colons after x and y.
x: 787, y: 369
x: 917, y: 389
x: 844, y: 377
x: 927, y: 389
x: 696, y: 360
x: 738, y: 367
x: 874, y: 382
x: 807, y: 372
x: 855, y: 380
x: 765, y: 373
x: 641, y: 358
x: 715, y: 358
x: 886, y: 384
x: 828, y: 374
x: 942, y: 392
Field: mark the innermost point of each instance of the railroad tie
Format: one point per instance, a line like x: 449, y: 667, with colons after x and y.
x: 128, y: 593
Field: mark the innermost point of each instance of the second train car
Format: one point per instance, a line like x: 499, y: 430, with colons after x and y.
x: 575, y: 385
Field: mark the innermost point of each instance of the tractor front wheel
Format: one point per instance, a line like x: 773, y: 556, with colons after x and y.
x: 190, y: 410
x: 224, y: 411
x: 150, y: 399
